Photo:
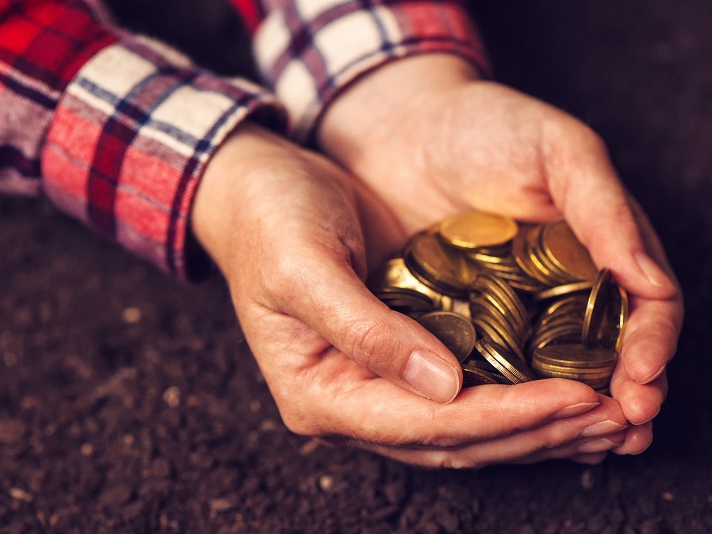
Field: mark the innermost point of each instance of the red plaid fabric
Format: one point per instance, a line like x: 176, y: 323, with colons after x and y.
x: 115, y: 129
x: 310, y: 50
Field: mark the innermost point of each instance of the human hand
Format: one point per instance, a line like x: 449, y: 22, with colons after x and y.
x: 431, y: 139
x: 292, y: 234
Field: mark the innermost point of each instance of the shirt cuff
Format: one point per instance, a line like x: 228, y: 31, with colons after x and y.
x: 310, y: 51
x: 130, y: 139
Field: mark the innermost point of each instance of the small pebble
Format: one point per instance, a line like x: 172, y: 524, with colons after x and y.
x: 10, y: 359
x: 326, y: 482
x: 20, y: 495
x: 87, y: 449
x: 222, y: 505
x: 668, y: 496
x: 268, y: 425
x: 131, y: 315
x: 171, y: 397
x: 12, y: 431
x: 587, y: 479
x: 161, y: 468
x: 309, y: 447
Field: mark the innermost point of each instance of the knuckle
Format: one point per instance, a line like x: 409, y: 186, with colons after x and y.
x: 553, y: 437
x: 297, y: 423
x: 369, y: 342
x: 442, y: 442
x: 283, y: 273
x: 582, y: 135
x: 462, y: 461
x: 591, y: 139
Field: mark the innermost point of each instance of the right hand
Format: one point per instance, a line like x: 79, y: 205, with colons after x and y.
x: 293, y: 235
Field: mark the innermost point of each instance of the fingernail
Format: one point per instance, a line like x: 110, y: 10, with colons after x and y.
x: 652, y: 271
x: 431, y: 376
x: 652, y: 376
x: 597, y: 445
x: 575, y: 409
x: 602, y: 428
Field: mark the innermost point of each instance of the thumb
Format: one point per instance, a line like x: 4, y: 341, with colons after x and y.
x: 335, y: 302
x: 600, y: 212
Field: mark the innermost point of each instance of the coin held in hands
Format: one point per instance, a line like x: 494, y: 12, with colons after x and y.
x: 454, y: 331
x: 514, y: 302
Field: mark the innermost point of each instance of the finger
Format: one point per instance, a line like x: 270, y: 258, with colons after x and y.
x: 322, y: 290
x: 640, y: 402
x: 650, y: 239
x: 377, y: 411
x: 589, y: 459
x: 654, y: 326
x: 556, y: 440
x: 637, y: 441
x: 650, y: 339
x: 586, y: 188
x: 578, y: 448
x: 473, y: 458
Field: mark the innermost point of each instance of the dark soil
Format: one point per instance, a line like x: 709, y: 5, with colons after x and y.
x: 130, y: 403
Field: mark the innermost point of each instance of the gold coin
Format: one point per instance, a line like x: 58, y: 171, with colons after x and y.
x: 520, y: 251
x: 454, y: 331
x: 606, y: 313
x: 567, y: 253
x: 561, y: 317
x: 560, y: 291
x: 558, y: 335
x: 528, y: 299
x: 487, y: 326
x: 395, y: 275
x: 595, y: 383
x: 575, y: 374
x: 405, y: 298
x: 477, y: 229
x: 533, y: 246
x: 511, y: 368
x: 569, y: 302
x: 437, y: 266
x: 481, y: 257
x: 504, y: 298
x: 483, y: 308
x: 475, y: 376
x: 575, y: 356
x: 622, y: 318
x: 478, y: 361
x: 556, y: 276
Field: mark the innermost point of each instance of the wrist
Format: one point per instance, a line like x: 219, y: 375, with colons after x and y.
x: 225, y: 185
x: 385, y: 101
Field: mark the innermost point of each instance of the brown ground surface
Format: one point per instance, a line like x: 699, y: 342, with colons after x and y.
x: 116, y: 421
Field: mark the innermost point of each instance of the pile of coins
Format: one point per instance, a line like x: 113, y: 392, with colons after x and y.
x: 513, y: 302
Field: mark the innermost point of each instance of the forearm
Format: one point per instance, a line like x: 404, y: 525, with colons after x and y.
x: 392, y: 96
x: 345, y: 41
x: 119, y: 134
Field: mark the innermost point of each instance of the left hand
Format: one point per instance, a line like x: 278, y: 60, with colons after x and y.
x: 431, y: 139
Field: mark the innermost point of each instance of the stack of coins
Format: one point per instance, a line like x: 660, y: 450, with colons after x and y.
x: 514, y: 302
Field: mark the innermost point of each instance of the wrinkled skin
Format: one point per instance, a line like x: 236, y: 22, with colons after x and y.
x: 294, y: 234
x: 438, y: 140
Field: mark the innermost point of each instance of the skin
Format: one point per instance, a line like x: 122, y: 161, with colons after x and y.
x: 437, y: 140
x: 294, y: 236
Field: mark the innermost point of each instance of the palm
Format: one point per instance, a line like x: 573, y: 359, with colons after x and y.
x: 454, y: 145
x: 457, y: 160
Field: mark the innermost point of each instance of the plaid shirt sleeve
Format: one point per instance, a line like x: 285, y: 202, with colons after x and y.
x: 115, y: 129
x: 309, y: 50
